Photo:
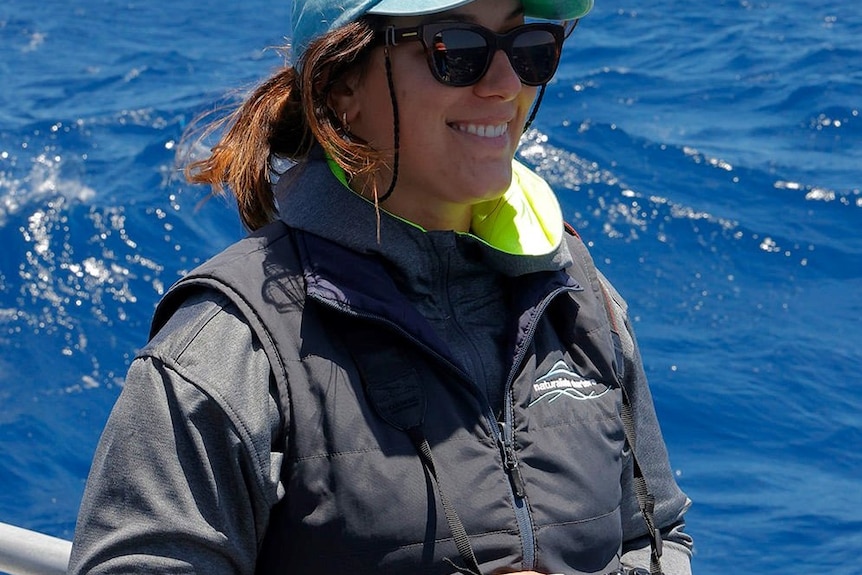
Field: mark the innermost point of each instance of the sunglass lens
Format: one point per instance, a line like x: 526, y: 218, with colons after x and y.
x: 460, y: 56
x: 534, y: 56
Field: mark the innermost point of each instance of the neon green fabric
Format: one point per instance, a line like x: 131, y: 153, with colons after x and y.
x: 526, y: 220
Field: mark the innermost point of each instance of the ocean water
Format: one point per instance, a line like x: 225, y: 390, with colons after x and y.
x: 711, y: 154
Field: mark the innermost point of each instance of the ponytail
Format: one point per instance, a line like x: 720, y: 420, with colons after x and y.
x: 282, y: 119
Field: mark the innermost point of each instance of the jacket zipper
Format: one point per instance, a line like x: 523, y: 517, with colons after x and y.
x: 506, y: 439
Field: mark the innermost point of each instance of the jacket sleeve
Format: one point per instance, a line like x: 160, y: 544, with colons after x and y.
x: 184, y: 474
x: 671, y: 503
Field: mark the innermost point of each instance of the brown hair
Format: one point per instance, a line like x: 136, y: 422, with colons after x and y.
x: 281, y: 119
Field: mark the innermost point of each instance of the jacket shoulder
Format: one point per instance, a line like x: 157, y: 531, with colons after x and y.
x: 261, y: 258
x: 246, y: 251
x: 581, y: 257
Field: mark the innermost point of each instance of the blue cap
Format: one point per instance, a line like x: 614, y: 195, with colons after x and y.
x: 312, y: 19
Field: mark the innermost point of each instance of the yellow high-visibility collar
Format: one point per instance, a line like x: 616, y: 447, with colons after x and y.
x: 526, y: 220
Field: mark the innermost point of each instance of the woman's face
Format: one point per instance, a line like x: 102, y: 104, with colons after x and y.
x: 456, y: 144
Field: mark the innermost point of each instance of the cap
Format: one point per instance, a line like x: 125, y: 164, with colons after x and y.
x: 314, y: 18
x: 545, y: 9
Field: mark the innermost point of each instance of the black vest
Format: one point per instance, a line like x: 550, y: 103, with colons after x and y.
x: 358, y: 499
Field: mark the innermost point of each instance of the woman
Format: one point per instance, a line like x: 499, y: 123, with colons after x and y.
x: 409, y: 365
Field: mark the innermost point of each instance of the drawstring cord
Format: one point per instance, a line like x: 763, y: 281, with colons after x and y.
x: 395, y: 123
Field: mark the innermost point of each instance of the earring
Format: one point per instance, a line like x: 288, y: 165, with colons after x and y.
x: 344, y: 123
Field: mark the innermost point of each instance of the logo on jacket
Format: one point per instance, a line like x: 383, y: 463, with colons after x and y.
x: 561, y: 381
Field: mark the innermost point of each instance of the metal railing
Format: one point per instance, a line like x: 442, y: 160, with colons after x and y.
x: 25, y: 552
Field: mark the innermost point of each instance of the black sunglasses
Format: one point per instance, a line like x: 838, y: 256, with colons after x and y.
x: 460, y: 53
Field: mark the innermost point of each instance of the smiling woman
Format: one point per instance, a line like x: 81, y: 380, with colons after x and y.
x: 456, y: 145
x: 411, y: 363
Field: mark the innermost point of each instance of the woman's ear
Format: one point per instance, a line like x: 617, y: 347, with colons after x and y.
x: 342, y: 99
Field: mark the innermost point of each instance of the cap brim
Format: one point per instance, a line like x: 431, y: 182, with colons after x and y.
x: 557, y: 9
x: 415, y: 7
x: 545, y: 9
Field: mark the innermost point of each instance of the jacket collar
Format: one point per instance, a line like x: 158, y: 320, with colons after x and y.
x: 517, y: 235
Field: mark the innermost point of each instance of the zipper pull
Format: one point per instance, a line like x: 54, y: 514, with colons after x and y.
x: 510, y: 462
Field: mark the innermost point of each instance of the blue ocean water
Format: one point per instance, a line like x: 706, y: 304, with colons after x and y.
x: 710, y: 153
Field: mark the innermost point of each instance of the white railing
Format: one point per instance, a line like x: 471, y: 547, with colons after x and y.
x: 25, y: 552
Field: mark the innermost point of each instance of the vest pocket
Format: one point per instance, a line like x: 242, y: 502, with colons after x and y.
x: 587, y: 546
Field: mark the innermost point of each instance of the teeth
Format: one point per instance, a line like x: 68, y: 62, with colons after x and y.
x: 484, y: 131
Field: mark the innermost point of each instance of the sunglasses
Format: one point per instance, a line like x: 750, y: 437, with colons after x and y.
x: 460, y: 53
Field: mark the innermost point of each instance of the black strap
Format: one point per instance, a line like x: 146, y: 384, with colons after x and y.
x: 535, y: 108
x: 394, y: 388
x: 646, y: 501
x: 459, y: 534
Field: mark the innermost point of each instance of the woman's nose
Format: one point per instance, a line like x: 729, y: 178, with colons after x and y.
x: 501, y: 79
